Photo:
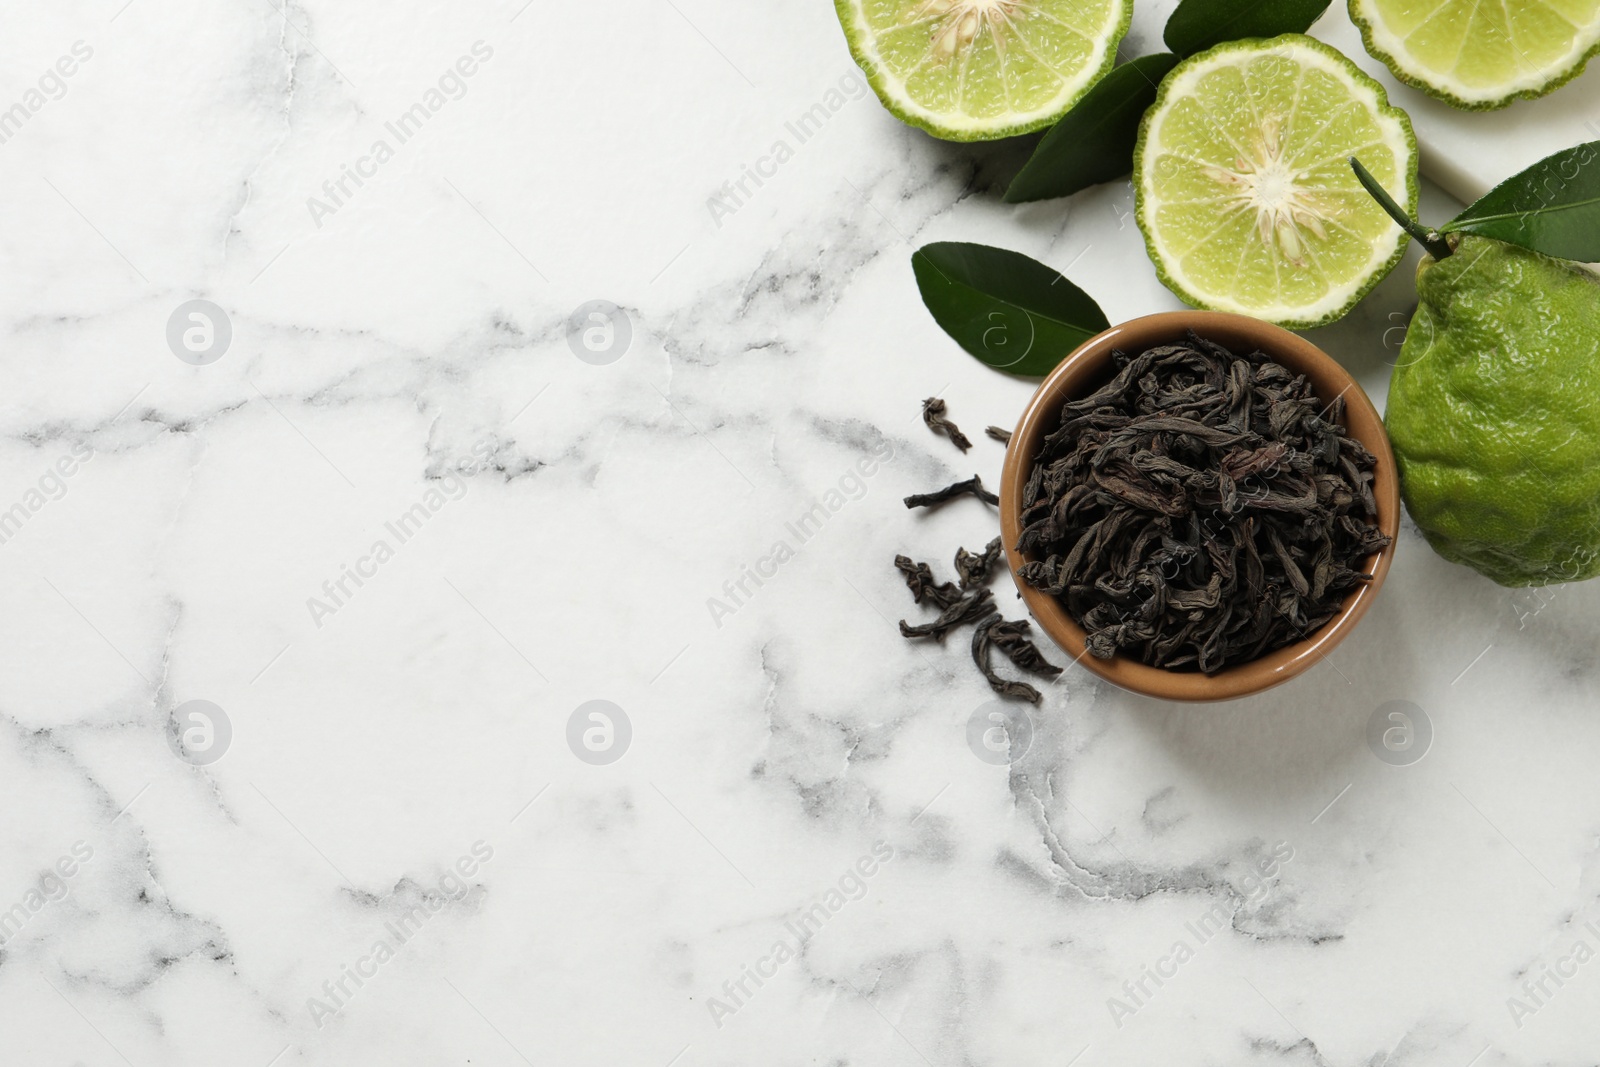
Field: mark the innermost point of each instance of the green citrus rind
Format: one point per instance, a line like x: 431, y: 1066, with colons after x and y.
x: 1290, y: 317
x: 1492, y: 413
x: 860, y: 38
x: 1418, y: 80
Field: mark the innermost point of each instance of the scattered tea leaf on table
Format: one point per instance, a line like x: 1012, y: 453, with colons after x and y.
x: 1199, y: 24
x: 1012, y: 639
x: 1093, y: 142
x: 1552, y: 207
x: 968, y: 607
x: 973, y: 486
x: 1011, y: 312
x: 972, y: 603
x: 958, y: 605
x: 933, y: 414
x: 975, y: 568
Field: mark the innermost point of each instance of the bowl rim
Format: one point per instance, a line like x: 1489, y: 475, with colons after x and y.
x: 1236, y: 332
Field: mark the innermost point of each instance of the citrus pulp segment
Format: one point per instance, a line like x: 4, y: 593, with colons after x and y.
x: 971, y: 70
x: 1480, y: 54
x: 1243, y: 187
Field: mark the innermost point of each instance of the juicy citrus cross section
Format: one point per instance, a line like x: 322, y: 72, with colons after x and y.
x: 1243, y: 185
x: 1480, y: 54
x: 969, y: 70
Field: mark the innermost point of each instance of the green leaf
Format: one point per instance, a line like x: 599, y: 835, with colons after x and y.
x: 1552, y: 207
x: 1198, y: 24
x: 1093, y: 142
x: 1012, y: 312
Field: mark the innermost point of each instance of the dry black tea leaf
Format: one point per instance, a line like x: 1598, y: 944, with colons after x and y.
x: 958, y: 604
x: 1012, y: 639
x: 975, y: 569
x: 933, y: 410
x: 973, y: 486
x: 971, y: 602
x: 919, y: 579
x: 1003, y: 436
x: 970, y: 606
x: 1200, y: 509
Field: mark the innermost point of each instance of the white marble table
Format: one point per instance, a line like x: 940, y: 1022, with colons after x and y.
x: 398, y: 535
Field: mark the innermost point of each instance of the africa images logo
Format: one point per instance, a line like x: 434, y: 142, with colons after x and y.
x: 451, y: 85
x: 851, y: 885
x: 452, y: 887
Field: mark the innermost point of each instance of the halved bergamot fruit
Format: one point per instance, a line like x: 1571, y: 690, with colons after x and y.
x: 1243, y: 188
x: 976, y: 70
x: 1480, y: 54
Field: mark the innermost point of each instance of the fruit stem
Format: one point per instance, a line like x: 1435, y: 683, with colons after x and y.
x: 1432, y: 240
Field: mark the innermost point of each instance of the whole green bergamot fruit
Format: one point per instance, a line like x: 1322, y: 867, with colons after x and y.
x: 1494, y: 413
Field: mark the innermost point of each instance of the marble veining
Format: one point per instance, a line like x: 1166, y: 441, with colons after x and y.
x: 417, y: 518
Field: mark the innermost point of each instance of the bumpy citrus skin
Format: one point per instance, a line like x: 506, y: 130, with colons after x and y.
x: 1494, y: 413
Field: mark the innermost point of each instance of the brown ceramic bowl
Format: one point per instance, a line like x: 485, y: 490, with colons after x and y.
x: 1090, y: 367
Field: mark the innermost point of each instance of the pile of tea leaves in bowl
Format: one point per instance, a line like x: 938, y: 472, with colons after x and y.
x: 1200, y: 510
